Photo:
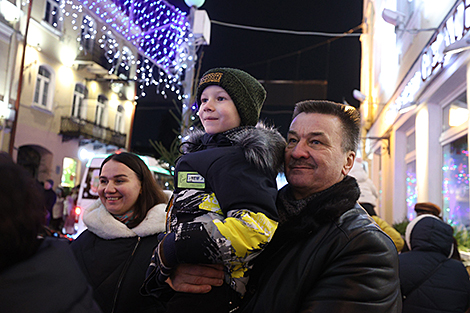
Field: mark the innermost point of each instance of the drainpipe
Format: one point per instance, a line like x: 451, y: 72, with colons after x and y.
x: 20, y: 83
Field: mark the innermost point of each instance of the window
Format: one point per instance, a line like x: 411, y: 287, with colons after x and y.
x: 69, y: 173
x: 119, y: 123
x: 411, y: 184
x: 411, y: 189
x: 455, y: 113
x: 100, y: 109
x: 79, y: 95
x: 455, y: 187
x: 53, y: 15
x: 87, y: 37
x: 42, y: 93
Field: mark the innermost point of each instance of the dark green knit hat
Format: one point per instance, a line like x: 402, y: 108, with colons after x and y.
x: 246, y: 92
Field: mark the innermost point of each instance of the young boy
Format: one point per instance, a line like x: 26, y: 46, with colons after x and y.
x: 223, y: 208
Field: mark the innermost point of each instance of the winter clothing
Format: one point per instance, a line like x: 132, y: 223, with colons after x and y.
x: 368, y: 200
x: 392, y: 232
x: 246, y: 92
x: 50, y: 198
x: 58, y: 215
x: 427, y: 208
x: 223, y: 208
x: 430, y: 280
x: 114, y: 258
x: 330, y: 257
x: 50, y: 282
x: 369, y: 193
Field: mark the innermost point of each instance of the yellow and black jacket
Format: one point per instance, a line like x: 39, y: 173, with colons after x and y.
x: 223, y: 209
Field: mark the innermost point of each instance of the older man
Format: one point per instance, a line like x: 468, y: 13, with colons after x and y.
x: 327, y: 254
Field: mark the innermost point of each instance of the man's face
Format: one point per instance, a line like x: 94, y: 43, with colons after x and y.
x: 314, y: 158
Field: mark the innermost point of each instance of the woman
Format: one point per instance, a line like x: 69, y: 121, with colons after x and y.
x: 123, y: 224
x: 37, y: 274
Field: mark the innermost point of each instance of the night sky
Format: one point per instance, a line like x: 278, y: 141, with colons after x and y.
x: 272, y: 56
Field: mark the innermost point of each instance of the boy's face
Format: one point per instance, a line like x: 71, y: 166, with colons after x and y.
x: 217, y: 111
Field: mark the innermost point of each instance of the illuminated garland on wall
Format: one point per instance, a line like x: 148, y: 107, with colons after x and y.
x: 159, y: 31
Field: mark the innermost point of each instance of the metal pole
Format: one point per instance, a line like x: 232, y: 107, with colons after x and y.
x: 20, y: 84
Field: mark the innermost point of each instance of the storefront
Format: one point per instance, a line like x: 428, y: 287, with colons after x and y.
x: 418, y: 145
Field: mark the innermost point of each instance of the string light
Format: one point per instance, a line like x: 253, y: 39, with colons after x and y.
x: 160, y: 32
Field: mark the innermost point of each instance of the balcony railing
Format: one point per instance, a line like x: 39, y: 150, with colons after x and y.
x: 72, y: 127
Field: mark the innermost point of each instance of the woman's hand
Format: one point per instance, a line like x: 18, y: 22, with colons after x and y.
x: 196, y: 278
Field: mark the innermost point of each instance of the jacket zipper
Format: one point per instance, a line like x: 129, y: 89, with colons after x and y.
x: 123, y: 273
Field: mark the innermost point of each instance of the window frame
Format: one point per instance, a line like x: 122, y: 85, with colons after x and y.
x: 43, y: 91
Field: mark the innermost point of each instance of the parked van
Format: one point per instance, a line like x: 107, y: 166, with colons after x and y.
x: 90, y: 181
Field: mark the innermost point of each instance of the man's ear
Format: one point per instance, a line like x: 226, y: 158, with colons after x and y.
x: 350, y: 157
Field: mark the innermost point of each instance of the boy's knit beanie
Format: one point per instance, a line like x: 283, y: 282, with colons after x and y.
x: 246, y: 92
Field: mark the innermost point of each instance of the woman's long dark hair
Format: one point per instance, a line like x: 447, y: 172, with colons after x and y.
x: 22, y: 213
x: 152, y: 194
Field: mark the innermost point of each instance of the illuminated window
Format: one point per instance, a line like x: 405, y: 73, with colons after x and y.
x: 53, y: 15
x: 69, y: 173
x: 411, y: 184
x: 79, y: 95
x: 43, y: 92
x: 455, y: 113
x: 411, y: 189
x: 455, y: 182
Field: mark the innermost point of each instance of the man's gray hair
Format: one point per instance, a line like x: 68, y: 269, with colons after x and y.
x: 348, y: 115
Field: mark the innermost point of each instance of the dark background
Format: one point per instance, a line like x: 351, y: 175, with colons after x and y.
x: 331, y: 66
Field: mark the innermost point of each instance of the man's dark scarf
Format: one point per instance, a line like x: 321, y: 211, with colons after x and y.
x: 301, y: 218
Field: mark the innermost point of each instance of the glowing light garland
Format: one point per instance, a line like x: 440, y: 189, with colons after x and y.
x: 159, y: 31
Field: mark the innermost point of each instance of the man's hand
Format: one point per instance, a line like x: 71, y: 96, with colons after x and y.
x: 196, y: 278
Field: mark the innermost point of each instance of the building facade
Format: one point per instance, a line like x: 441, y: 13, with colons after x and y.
x: 414, y: 79
x: 70, y: 89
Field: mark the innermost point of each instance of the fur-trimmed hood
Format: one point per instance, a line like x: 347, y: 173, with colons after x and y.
x: 100, y: 222
x: 263, y: 145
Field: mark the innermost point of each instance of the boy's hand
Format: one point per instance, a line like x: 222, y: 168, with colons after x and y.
x: 196, y: 278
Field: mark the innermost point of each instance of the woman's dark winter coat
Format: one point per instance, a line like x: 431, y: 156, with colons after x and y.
x: 114, y: 258
x: 48, y: 282
x: 430, y: 280
x: 331, y: 257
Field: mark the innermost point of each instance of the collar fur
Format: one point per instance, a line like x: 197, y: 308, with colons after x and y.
x: 264, y: 146
x: 100, y: 222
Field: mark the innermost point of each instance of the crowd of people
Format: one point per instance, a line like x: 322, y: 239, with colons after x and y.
x: 227, y: 240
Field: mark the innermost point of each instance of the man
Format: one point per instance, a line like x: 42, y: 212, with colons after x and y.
x: 50, y: 197
x: 327, y: 254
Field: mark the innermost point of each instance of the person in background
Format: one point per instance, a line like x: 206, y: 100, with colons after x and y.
x: 37, y: 274
x: 123, y: 225
x: 223, y: 209
x: 50, y: 199
x: 69, y: 210
x: 57, y: 221
x: 327, y: 255
x: 368, y: 200
x: 430, y: 280
x: 422, y: 208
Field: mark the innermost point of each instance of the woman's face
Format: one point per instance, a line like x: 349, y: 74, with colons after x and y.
x: 119, y: 187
